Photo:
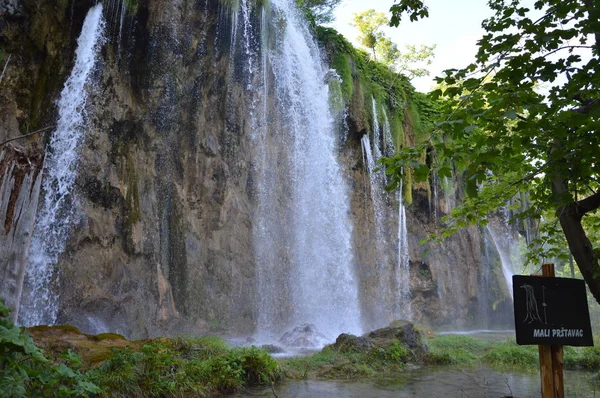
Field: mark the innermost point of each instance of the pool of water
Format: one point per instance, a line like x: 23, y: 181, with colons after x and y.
x: 432, y: 382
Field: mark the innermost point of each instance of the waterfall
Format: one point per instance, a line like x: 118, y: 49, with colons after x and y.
x: 403, y: 299
x: 303, y: 231
x: 57, y: 212
x: 506, y: 245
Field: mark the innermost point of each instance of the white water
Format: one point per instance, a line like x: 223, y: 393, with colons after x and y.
x: 506, y: 245
x: 303, y: 240
x: 403, y: 270
x: 57, y: 212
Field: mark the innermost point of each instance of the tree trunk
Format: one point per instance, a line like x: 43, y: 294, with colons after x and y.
x: 570, y: 216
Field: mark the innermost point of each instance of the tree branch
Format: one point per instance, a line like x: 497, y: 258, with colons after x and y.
x: 26, y: 135
x: 564, y: 48
x: 588, y: 204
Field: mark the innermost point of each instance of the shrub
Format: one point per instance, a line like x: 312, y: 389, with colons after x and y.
x: 25, y: 371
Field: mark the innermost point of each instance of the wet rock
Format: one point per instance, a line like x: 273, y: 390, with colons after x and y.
x: 272, y: 349
x: 350, y: 343
x: 399, y: 331
x: 403, y: 332
x: 305, y: 335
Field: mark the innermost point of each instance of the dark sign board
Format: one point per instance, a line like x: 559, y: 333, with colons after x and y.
x: 551, y: 311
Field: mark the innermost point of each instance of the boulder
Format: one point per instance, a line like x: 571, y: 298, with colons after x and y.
x: 306, y: 336
x: 272, y: 349
x: 350, y: 343
x: 405, y: 333
x: 402, y: 332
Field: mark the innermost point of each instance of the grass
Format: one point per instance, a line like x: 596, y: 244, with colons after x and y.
x: 331, y: 363
x: 509, y: 355
x: 457, y: 350
x: 183, y: 367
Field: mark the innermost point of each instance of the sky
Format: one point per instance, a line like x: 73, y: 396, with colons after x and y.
x: 453, y: 26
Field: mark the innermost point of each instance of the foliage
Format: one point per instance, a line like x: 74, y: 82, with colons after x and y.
x: 369, y: 24
x: 412, y: 62
x: 409, y: 60
x: 509, y: 135
x: 332, y: 363
x: 319, y: 11
x: 415, y: 8
x: 198, y: 366
x: 25, y: 371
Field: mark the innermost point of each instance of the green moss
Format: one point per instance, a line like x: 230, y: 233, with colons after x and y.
x: 230, y: 5
x: 397, y: 130
x: 107, y: 336
x: 131, y: 6
x: 407, y: 187
x: 342, y: 66
x: 58, y: 328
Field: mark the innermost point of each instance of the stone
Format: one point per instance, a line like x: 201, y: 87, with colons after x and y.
x: 305, y: 336
x: 349, y: 343
x: 272, y: 349
x: 403, y: 332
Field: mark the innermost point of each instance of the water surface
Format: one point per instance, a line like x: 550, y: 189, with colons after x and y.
x: 432, y: 382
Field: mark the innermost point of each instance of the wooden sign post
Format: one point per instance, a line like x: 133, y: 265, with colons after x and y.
x: 551, y: 312
x: 551, y: 359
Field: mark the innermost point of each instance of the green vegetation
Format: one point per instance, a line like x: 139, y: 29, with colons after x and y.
x: 161, y: 367
x: 410, y: 114
x: 455, y: 349
x: 318, y: 11
x: 338, y: 363
x: 458, y: 350
x: 26, y: 372
x: 412, y: 61
x: 201, y: 366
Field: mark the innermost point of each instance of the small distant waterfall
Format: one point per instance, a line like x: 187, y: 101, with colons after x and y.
x: 303, y: 235
x: 506, y: 244
x: 57, y: 212
x: 404, y: 310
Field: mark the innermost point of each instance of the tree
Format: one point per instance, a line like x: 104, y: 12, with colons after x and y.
x: 369, y: 24
x: 410, y: 62
x: 508, y: 136
x: 320, y: 11
x: 414, y: 60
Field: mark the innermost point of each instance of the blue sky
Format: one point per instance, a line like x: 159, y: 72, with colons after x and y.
x: 453, y: 26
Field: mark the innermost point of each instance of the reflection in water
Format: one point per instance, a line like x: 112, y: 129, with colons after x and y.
x: 432, y: 382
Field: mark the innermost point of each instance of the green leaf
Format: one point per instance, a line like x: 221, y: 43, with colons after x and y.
x: 421, y: 173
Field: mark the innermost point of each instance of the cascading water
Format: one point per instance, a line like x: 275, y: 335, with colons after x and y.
x: 303, y: 235
x: 403, y: 300
x: 391, y: 275
x: 57, y: 212
x: 506, y: 245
